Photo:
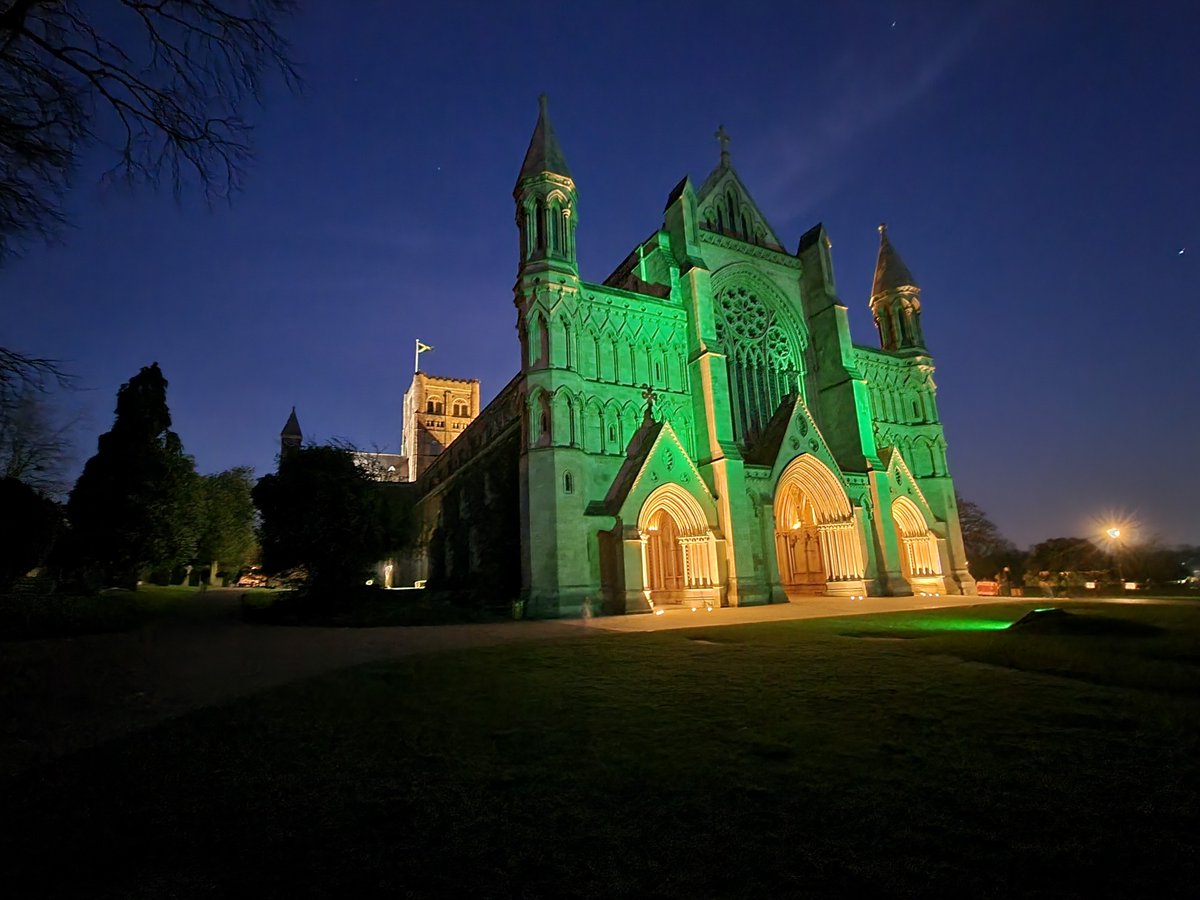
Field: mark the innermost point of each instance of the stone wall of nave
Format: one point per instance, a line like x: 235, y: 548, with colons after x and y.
x: 470, y: 525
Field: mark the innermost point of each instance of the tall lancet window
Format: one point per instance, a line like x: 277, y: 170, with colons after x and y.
x: 540, y: 226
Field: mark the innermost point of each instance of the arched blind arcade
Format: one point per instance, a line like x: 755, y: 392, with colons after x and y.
x: 762, y: 351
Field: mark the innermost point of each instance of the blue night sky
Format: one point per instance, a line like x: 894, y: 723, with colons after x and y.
x: 1036, y: 164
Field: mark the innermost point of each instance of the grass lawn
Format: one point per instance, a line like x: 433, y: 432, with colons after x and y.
x: 25, y: 616
x: 905, y: 753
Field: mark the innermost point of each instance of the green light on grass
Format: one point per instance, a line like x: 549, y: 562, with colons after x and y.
x: 944, y: 623
x: 941, y: 624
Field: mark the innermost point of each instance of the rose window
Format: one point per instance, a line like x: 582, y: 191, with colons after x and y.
x: 761, y: 356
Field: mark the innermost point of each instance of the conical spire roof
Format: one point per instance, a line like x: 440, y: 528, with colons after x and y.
x: 544, y: 153
x: 292, y: 428
x: 890, y: 271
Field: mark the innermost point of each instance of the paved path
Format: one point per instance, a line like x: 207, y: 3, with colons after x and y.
x: 65, y: 694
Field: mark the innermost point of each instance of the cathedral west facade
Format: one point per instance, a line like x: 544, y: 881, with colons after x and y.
x: 698, y: 428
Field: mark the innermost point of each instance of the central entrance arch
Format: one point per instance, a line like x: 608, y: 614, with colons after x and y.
x: 817, y: 542
x: 798, y: 544
x: 679, y: 559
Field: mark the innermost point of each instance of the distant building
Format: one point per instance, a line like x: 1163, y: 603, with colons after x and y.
x: 436, y: 411
x: 383, y: 466
x: 291, y: 438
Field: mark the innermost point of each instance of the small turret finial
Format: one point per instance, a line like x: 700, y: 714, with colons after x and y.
x: 543, y: 102
x: 883, y: 228
x: 723, y: 138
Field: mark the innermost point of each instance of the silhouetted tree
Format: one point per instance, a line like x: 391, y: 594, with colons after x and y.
x: 1066, y: 554
x: 1152, y: 562
x: 167, y: 83
x: 227, y: 534
x: 28, y: 526
x: 988, y: 551
x: 136, y: 505
x: 35, y: 444
x: 324, y: 514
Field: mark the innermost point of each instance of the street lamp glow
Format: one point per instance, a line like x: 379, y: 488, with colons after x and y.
x: 1113, y: 533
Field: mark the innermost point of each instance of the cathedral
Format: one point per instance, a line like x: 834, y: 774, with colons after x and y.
x: 698, y: 428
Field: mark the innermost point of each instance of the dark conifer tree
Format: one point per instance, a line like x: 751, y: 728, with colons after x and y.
x: 28, y: 527
x: 135, y: 504
x: 322, y: 513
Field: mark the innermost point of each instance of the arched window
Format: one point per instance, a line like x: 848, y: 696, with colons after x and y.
x: 612, y: 434
x: 552, y: 235
x: 429, y: 406
x: 762, y: 347
x: 568, y: 483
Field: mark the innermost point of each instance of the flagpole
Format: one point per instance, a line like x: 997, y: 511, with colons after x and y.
x: 421, y: 348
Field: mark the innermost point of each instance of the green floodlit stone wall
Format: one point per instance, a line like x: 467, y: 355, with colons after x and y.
x: 710, y: 359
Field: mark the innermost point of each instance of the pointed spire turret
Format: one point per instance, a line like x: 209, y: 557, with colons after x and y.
x: 890, y: 272
x: 292, y: 427
x: 546, y: 199
x: 544, y: 153
x: 291, y: 437
x: 895, y: 300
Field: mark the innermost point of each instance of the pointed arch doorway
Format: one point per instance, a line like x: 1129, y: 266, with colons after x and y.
x: 817, y: 543
x: 920, y: 560
x: 679, y: 558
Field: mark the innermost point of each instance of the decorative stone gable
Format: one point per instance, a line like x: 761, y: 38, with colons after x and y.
x: 803, y: 436
x: 725, y: 207
x: 663, y: 460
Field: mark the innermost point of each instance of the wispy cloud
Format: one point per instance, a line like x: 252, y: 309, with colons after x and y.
x: 809, y: 155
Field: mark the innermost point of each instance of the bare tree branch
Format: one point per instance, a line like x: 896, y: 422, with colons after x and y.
x: 172, y: 102
x: 20, y: 373
x: 35, y: 442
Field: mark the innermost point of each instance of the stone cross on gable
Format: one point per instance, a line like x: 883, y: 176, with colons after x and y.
x: 723, y: 139
x: 650, y: 396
